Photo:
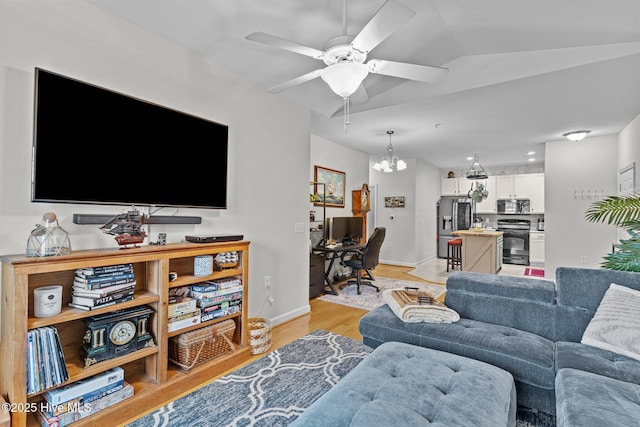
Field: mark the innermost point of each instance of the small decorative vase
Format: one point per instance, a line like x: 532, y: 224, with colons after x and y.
x: 48, y: 238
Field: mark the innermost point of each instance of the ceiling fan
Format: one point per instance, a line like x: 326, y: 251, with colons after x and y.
x: 345, y: 55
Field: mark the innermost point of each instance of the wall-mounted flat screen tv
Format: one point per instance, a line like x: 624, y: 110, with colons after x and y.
x: 96, y: 146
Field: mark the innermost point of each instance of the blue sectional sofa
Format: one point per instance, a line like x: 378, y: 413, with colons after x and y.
x: 532, y: 328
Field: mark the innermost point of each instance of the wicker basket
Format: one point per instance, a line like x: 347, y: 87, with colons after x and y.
x: 192, y: 348
x: 259, y: 334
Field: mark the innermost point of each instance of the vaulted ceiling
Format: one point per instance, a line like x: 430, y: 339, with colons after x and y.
x: 520, y: 72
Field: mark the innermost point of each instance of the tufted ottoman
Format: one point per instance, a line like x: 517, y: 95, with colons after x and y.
x: 401, y: 384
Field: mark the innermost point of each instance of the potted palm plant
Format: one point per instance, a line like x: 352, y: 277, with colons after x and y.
x: 623, y: 212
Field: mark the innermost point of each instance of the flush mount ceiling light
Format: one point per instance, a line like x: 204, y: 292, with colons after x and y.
x: 577, y: 135
x: 390, y: 161
x: 476, y: 171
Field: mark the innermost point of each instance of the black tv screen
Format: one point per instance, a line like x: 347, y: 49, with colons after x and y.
x: 96, y: 146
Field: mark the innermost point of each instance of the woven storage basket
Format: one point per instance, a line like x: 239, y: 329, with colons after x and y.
x: 259, y: 334
x: 192, y: 348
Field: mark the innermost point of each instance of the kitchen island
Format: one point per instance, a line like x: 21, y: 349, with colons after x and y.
x: 481, y: 250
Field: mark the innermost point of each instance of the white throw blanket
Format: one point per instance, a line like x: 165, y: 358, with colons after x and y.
x: 413, y: 305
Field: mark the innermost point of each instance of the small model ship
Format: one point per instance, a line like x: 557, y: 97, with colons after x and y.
x: 126, y: 228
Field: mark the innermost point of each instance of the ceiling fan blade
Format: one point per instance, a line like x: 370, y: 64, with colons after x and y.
x: 294, y: 82
x: 285, y: 44
x: 422, y: 73
x: 391, y: 16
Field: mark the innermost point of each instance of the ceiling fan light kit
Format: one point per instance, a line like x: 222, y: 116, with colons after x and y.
x: 576, y: 135
x: 345, y: 55
x: 344, y: 78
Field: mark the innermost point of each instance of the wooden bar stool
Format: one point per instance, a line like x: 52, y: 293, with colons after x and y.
x: 454, y: 254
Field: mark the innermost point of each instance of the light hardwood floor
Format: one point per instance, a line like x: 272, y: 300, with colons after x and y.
x: 339, y: 319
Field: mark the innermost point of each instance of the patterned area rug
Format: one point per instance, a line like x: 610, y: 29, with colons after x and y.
x: 370, y: 299
x: 275, y: 389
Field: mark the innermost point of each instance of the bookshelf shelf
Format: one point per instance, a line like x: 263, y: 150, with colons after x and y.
x: 154, y: 378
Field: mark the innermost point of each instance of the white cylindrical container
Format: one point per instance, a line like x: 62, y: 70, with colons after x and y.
x: 47, y: 301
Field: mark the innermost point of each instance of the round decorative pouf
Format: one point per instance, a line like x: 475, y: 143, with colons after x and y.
x: 259, y: 334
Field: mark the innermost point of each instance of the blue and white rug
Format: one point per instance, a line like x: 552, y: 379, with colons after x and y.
x: 273, y: 390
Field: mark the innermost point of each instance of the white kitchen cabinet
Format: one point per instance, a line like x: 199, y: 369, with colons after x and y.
x: 535, y: 191
x: 455, y: 186
x: 522, y: 186
x: 536, y: 247
x: 488, y: 205
x: 505, y: 187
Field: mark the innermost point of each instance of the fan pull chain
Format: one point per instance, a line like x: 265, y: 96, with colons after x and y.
x: 346, y: 113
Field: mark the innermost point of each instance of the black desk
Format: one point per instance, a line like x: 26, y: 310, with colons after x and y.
x: 332, y: 254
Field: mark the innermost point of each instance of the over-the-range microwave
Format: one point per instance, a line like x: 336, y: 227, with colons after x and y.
x: 514, y: 206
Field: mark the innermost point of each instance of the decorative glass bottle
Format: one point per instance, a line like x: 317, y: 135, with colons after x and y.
x: 48, y: 238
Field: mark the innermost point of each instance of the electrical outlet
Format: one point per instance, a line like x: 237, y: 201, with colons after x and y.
x: 583, y: 259
x: 267, y: 282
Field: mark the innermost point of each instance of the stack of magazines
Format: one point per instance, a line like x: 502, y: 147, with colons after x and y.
x: 46, y: 366
x: 98, y: 287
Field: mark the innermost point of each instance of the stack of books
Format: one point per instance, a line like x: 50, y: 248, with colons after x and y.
x: 98, y: 287
x: 65, y: 405
x: 46, y: 365
x: 218, y: 298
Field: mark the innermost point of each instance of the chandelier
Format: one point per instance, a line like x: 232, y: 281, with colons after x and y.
x: 389, y: 162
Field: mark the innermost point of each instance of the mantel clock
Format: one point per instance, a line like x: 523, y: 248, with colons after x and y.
x: 117, y: 333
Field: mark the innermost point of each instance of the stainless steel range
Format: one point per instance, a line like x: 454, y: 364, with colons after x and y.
x: 516, y: 240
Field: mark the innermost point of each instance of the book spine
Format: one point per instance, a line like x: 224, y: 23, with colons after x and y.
x: 83, y: 386
x: 94, y: 302
x: 95, y: 307
x: 101, y: 285
x: 104, y: 292
x: 102, y: 279
x: 107, y: 269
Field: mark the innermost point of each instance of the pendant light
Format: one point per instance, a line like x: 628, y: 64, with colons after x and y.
x: 390, y: 161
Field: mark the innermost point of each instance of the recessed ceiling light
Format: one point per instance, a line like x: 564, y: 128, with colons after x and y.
x: 531, y: 159
x: 531, y: 153
x: 470, y: 158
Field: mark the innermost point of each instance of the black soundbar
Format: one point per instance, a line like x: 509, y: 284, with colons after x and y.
x: 211, y: 238
x: 153, y: 219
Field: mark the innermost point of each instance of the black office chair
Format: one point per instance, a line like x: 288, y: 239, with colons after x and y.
x: 366, y: 259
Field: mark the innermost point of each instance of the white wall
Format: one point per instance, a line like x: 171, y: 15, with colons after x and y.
x: 268, y: 136
x: 427, y: 196
x: 629, y: 147
x: 411, y: 231
x: 571, y: 170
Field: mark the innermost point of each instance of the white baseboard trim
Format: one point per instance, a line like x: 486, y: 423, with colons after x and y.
x: 285, y: 317
x: 406, y: 264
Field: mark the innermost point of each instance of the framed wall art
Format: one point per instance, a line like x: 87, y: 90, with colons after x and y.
x: 334, y: 189
x: 394, y: 202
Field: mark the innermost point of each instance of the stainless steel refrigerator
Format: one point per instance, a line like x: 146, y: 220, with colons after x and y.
x: 453, y: 214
